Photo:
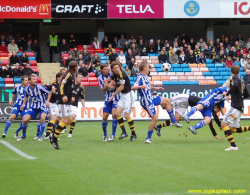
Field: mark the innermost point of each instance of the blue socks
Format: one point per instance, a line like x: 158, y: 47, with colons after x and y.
x: 192, y: 111
x: 114, y: 125
x: 171, y: 115
x: 150, y: 132
x: 20, y: 128
x: 38, y: 129
x: 7, y: 126
x: 42, y: 127
x: 104, y: 127
x: 199, y: 125
x: 24, y: 127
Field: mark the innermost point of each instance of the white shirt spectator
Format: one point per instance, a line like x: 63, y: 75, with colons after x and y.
x: 122, y: 59
x: 13, y: 48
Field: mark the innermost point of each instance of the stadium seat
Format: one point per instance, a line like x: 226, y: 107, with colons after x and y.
x: 183, y: 78
x: 185, y: 83
x: 209, y: 78
x: 33, y: 62
x: 65, y: 55
x: 85, y: 83
x: 154, y: 73
x: 195, y: 69
x: 189, y: 73
x: 178, y: 70
x: 192, y: 78
x: 155, y: 61
x: 186, y: 69
x: 213, y: 69
x: 8, y: 80
x: 91, y: 74
x: 159, y: 70
x: 220, y: 82
x: 211, y: 82
x: 197, y: 73
x: 151, y: 83
x: 153, y: 70
x: 158, y: 83
x: 155, y: 78
x: 167, y: 83
x: 1, y: 80
x: 4, y: 58
x: 209, y: 61
x: 218, y: 78
x: 207, y: 74
x: 184, y: 66
x: 117, y: 50
x: 145, y: 57
x: 152, y: 54
x: 194, y: 82
x: 153, y: 57
x: 243, y: 74
x: 174, y: 78
x: 91, y: 79
x: 225, y: 77
x: 193, y: 65
x: 202, y: 65
x: 176, y: 83
x: 200, y: 78
x: 175, y: 65
x: 162, y: 74
x: 171, y: 73
x: 93, y: 83
x: 203, y: 83
x: 210, y: 65
x: 137, y: 58
x: 101, y: 50
x: 30, y: 54
x: 79, y: 47
x: 131, y: 78
x: 180, y: 73
x: 157, y: 65
x: 132, y: 83
x: 219, y: 65
x: 10, y: 85
x: 4, y: 55
x: 222, y: 69
x: 204, y: 70
x: 165, y: 78
x: 2, y: 85
x: 103, y: 61
x: 17, y: 80
x: 84, y: 79
x: 103, y: 57
x: 4, y: 62
x: 215, y: 73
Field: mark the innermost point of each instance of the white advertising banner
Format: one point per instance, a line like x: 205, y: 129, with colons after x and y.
x: 234, y: 9
x: 192, y: 9
x: 94, y: 112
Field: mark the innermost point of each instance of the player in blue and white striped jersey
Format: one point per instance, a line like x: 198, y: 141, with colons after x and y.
x: 149, y: 101
x: 20, y: 92
x: 109, y: 107
x: 36, y: 96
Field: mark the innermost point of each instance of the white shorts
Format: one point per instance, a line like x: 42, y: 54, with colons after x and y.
x: 180, y: 103
x: 52, y: 110
x: 74, y: 110
x: 232, y: 117
x: 127, y: 101
x: 64, y: 110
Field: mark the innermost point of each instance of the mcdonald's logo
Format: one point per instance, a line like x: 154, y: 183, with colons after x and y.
x: 43, y: 8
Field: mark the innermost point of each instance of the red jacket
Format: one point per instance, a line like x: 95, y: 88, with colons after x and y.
x: 229, y: 64
x: 4, y: 49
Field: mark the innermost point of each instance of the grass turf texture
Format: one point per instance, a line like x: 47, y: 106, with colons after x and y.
x: 174, y: 163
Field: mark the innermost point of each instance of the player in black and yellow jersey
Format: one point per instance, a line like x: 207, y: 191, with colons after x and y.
x: 126, y: 101
x: 64, y: 101
x: 53, y: 109
x: 231, y: 120
x: 78, y: 92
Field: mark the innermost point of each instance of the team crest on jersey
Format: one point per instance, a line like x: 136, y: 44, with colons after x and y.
x: 77, y: 89
x: 64, y: 81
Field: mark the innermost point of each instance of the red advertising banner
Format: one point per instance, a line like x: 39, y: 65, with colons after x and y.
x: 135, y: 9
x: 29, y: 9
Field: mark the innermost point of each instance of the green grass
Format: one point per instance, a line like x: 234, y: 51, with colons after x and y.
x: 173, y: 164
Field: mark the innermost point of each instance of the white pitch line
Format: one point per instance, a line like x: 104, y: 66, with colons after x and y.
x: 8, y: 145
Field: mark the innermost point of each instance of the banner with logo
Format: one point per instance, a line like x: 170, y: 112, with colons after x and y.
x: 192, y: 9
x: 79, y: 9
x: 234, y: 9
x: 135, y: 9
x: 28, y: 9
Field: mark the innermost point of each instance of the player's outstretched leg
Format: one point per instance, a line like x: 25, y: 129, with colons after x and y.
x: 241, y: 129
x: 114, y: 126
x: 229, y: 136
x: 121, y: 123
x: 164, y: 124
x: 72, y: 127
x: 132, y: 128
x: 104, y: 128
x: 24, y: 128
x: 38, y: 130
x: 49, y: 129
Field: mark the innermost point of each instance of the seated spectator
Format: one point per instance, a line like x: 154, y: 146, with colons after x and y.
x: 248, y: 45
x: 144, y: 52
x: 151, y: 46
x: 126, y: 47
x: 14, y: 59
x: 122, y: 58
x: 236, y: 45
x: 226, y: 42
x: 87, y: 49
x: 7, y: 72
x: 192, y: 44
x: 115, y: 42
x: 38, y: 51
x: 248, y: 55
x: 162, y: 57
x: 80, y: 60
x: 2, y: 39
x: 191, y: 59
x: 170, y: 50
x: 121, y: 41
x: 113, y: 56
x: 96, y: 44
x: 131, y: 64
x: 27, y: 70
x: 207, y: 52
x: 166, y: 42
x: 64, y: 47
x: 135, y: 70
x: 197, y: 51
x: 135, y: 50
x: 86, y: 57
x: 12, y: 47
x: 240, y: 39
x: 140, y: 37
x: 117, y: 61
x: 231, y: 39
x: 98, y: 72
x: 109, y: 50
x: 105, y: 42
x: 228, y: 49
x: 98, y: 64
x: 133, y: 42
x: 90, y: 67
x: 95, y: 58
x: 167, y: 48
x: 201, y: 59
x: 70, y: 58
x: 211, y: 45
x: 23, y: 59
x: 182, y: 58
x: 3, y: 48
x: 127, y: 71
x: 202, y: 47
x: 237, y: 61
x: 29, y: 47
x: 246, y: 78
x: 200, y: 42
x: 232, y: 53
x: 141, y: 45
x: 129, y: 56
x: 83, y: 69
x: 208, y: 41
x: 243, y: 60
x: 176, y: 47
x: 173, y: 58
x: 22, y: 43
x: 229, y: 62
x: 18, y: 71
x: 247, y: 66
x: 72, y: 41
x: 240, y: 53
x: 164, y: 50
x: 220, y: 58
x: 131, y: 39
x: 185, y: 37
x: 75, y: 53
x: 158, y: 46
x: 183, y: 42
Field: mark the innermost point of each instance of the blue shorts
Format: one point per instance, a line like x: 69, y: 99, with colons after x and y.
x: 151, y: 107
x: 16, y: 110
x: 108, y: 106
x: 34, y: 112
x: 208, y: 103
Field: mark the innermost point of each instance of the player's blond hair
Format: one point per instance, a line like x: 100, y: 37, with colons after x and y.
x: 142, y: 65
x: 227, y: 83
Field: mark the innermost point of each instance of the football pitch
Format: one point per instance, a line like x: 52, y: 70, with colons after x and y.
x: 174, y: 163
